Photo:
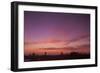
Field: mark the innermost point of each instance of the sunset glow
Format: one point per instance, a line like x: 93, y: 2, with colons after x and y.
x: 48, y: 33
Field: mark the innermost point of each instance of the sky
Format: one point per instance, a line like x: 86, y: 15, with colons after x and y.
x: 55, y: 30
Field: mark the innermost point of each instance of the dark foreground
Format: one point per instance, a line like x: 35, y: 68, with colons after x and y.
x: 46, y: 57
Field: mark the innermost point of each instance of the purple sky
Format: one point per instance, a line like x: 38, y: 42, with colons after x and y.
x: 40, y: 26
